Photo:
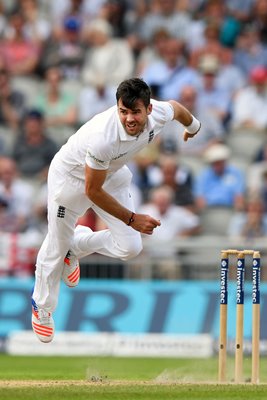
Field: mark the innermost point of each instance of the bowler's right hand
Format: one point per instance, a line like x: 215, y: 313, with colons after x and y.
x: 145, y: 223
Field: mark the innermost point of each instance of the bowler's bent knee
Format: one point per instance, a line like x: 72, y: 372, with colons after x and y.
x: 132, y: 250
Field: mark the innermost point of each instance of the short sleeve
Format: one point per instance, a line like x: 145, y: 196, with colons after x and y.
x: 98, y: 154
x: 163, y: 110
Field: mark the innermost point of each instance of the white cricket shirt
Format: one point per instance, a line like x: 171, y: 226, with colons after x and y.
x: 103, y: 143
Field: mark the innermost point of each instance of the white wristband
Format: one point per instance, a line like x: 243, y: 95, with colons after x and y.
x: 194, y: 126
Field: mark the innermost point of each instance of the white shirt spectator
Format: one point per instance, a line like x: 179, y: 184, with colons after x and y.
x: 94, y: 100
x: 250, y: 107
x: 109, y: 60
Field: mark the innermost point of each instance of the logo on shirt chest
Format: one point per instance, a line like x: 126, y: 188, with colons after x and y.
x: 119, y: 156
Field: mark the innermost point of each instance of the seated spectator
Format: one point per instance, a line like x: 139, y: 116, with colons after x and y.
x: 241, y: 10
x: 169, y: 172
x: 257, y: 175
x: 39, y: 209
x: 108, y: 59
x: 57, y: 105
x: 168, y: 75
x: 140, y: 166
x: 165, y: 15
x: 94, y: 99
x: 134, y: 16
x: 213, y: 12
x: 12, y: 102
x: 33, y: 150
x: 252, y: 222
x: 229, y: 77
x: 153, y: 51
x: 219, y: 183
x: 16, y: 198
x: 176, y: 222
x: 212, y: 45
x: 212, y: 130
x: 20, y: 54
x: 229, y: 22
x: 83, y: 10
x: 66, y: 50
x: 249, y: 51
x: 36, y: 27
x: 212, y: 97
x: 114, y: 12
x: 249, y: 105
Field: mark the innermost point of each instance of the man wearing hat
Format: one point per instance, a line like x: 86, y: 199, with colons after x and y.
x: 219, y: 183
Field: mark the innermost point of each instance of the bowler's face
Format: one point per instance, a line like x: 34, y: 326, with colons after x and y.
x: 134, y: 120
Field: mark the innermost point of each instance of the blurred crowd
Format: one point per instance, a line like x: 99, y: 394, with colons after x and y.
x: 60, y: 64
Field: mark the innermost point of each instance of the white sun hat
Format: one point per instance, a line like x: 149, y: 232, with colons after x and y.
x: 217, y: 152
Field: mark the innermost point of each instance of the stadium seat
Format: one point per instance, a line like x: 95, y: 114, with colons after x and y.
x: 244, y: 144
x: 215, y: 220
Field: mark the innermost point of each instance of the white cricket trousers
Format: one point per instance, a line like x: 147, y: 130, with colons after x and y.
x: 66, y: 203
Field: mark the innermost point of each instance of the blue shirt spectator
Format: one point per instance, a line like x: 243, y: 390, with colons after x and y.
x: 169, y: 75
x: 249, y: 51
x: 220, y: 183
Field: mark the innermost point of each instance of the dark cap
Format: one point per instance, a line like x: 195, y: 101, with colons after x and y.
x: 35, y: 114
x: 72, y: 24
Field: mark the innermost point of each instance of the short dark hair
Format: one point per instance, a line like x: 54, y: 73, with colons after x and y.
x: 34, y: 113
x: 131, y: 90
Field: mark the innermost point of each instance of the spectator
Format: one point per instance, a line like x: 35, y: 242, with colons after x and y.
x: 229, y: 77
x: 140, y: 166
x: 67, y: 50
x: 20, y: 54
x: 113, y: 11
x: 84, y: 10
x: 251, y: 223
x: 99, y: 96
x: 169, y: 172
x: 241, y: 10
x: 215, y: 12
x: 249, y: 51
x: 176, y: 222
x: 108, y: 60
x: 211, y: 96
x: 134, y: 16
x: 212, y: 45
x: 168, y: 75
x: 36, y: 27
x: 166, y: 16
x: 153, y: 51
x: 33, y: 150
x: 57, y: 105
x: 212, y: 130
x: 219, y: 183
x: 16, y: 198
x: 39, y: 209
x: 12, y: 102
x: 249, y: 105
x: 257, y: 174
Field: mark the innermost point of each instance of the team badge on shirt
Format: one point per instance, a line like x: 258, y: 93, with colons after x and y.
x: 61, y: 212
x: 150, y: 136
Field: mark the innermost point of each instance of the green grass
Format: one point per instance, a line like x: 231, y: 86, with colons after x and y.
x: 111, y: 378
